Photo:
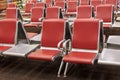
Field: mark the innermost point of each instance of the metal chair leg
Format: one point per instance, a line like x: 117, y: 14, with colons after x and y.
x: 60, y: 68
x: 66, y: 67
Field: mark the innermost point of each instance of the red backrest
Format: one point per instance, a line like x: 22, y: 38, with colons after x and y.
x: 103, y: 1
x: 84, y: 2
x: 11, y: 5
x: 112, y: 2
x: 37, y: 12
x: 72, y: 6
x: 52, y: 12
x: 85, y: 34
x: 40, y: 4
x: 48, y: 3
x: 52, y: 32
x: 8, y: 31
x: 60, y: 4
x: 84, y: 11
x: 94, y: 3
x: 71, y: 0
x: 28, y: 7
x: 105, y: 12
x: 11, y: 13
x: 32, y: 1
x: 59, y: 0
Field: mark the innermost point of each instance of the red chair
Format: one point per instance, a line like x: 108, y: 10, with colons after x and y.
x: 28, y: 8
x: 11, y: 5
x: 60, y: 4
x: 112, y: 2
x: 32, y: 1
x: 53, y: 34
x: 71, y: 8
x: 40, y: 4
x: 59, y: 0
x: 108, y: 19
x: 53, y: 13
x: 14, y: 39
x: 8, y: 34
x: 85, y: 43
x: 71, y: 0
x: 84, y: 2
x: 94, y: 3
x: 14, y: 13
x: 84, y: 11
x: 115, y: 3
x: 49, y: 3
x: 37, y: 16
x: 11, y: 13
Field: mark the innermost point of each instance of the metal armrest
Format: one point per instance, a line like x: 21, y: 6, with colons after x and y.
x: 27, y: 20
x: 22, y: 11
x: 59, y: 44
x: 41, y: 19
x: 67, y: 45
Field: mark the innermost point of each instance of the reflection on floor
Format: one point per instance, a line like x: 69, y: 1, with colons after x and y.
x: 23, y: 69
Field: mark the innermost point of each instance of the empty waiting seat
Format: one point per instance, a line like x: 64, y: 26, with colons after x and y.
x: 11, y: 13
x: 110, y: 54
x: 49, y: 3
x: 115, y: 3
x: 59, y: 0
x: 112, y: 2
x: 108, y: 17
x: 85, y: 43
x: 9, y: 33
x: 40, y: 4
x: 53, y: 13
x: 94, y: 3
x: 14, y: 13
x: 11, y: 5
x: 84, y: 11
x: 84, y: 2
x: 72, y: 0
x: 37, y: 15
x: 14, y: 37
x: 60, y: 4
x: 71, y: 8
x: 28, y: 8
x: 53, y: 35
x: 32, y: 1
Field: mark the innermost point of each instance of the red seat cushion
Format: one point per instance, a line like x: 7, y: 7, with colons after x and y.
x: 3, y: 48
x: 43, y: 54
x: 80, y: 57
x: 26, y: 14
x: 70, y: 13
x: 31, y: 35
x: 33, y: 24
